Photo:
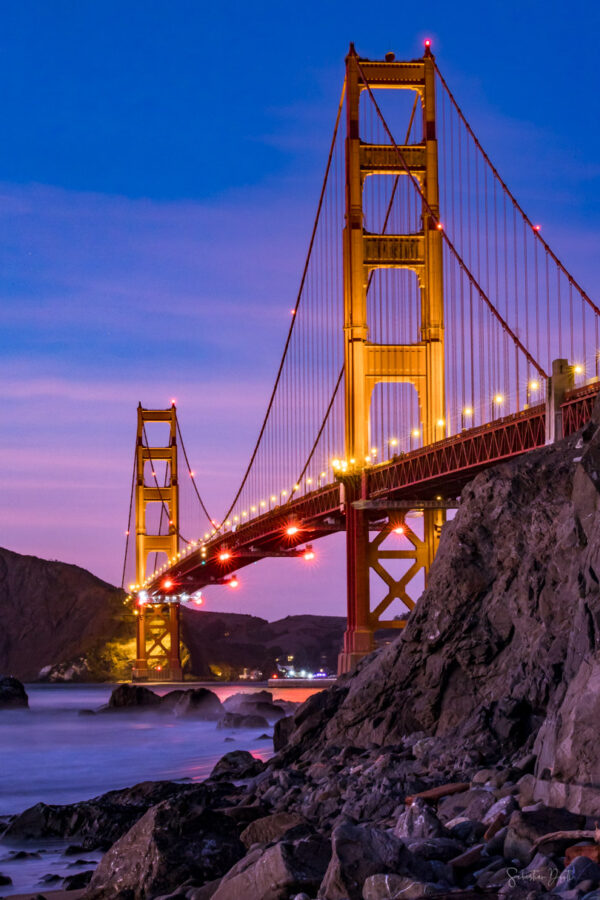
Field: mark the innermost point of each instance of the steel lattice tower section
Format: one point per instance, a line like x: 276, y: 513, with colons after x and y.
x: 158, y: 641
x: 366, y: 364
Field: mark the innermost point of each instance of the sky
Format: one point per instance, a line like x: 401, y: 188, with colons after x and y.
x: 160, y: 164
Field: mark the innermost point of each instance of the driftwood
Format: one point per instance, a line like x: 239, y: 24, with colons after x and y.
x: 436, y: 793
x: 567, y: 836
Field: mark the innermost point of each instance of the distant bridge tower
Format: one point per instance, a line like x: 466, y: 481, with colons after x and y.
x: 420, y: 363
x: 158, y: 644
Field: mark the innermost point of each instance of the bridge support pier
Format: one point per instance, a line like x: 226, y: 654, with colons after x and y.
x: 364, y: 555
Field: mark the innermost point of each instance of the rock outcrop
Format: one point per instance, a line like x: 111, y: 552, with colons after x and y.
x: 12, y: 694
x: 459, y: 761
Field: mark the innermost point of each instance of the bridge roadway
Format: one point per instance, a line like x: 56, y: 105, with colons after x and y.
x: 442, y: 469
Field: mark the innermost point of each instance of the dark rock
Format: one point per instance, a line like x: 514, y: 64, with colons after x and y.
x: 86, y: 712
x: 77, y: 881
x: 581, y: 869
x: 357, y: 852
x: 99, y: 822
x: 236, y: 765
x: 282, y: 732
x: 172, y: 698
x: 471, y: 804
x: 526, y: 826
x: 5, y: 880
x: 24, y: 854
x: 73, y: 850
x: 172, y: 842
x: 50, y: 878
x: 397, y: 887
x: 442, y: 848
x: 419, y: 821
x: 12, y: 694
x: 236, y: 720
x: 199, y: 703
x: 132, y: 696
x: 277, y: 872
x: 270, y: 828
x: 259, y: 703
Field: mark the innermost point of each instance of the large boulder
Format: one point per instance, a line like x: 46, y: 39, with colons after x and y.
x: 133, y: 696
x: 12, y: 694
x: 357, y: 852
x: 278, y: 871
x: 236, y: 765
x: 270, y: 828
x: 199, y: 703
x: 172, y: 843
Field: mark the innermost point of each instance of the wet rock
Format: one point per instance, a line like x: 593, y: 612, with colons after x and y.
x: 419, y: 821
x: 236, y: 720
x: 270, y: 828
x: 132, y: 696
x: 259, y: 703
x: 442, y: 848
x: 236, y: 765
x: 172, y: 842
x: 275, y: 872
x: 357, y: 852
x: 78, y: 881
x: 199, y: 703
x: 99, y: 822
x: 50, y: 878
x: 12, y: 694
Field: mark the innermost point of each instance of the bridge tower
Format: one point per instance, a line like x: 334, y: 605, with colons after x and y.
x: 158, y: 652
x: 420, y: 363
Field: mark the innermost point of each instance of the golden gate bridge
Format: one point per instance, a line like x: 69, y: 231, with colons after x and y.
x: 434, y: 333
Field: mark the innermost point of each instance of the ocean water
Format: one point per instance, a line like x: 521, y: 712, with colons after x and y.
x: 52, y: 754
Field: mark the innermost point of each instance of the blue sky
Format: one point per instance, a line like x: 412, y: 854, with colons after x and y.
x: 159, y: 170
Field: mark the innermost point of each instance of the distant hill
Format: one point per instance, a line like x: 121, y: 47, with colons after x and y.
x: 59, y: 616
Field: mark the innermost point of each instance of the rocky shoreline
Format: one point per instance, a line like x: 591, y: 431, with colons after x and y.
x: 460, y: 761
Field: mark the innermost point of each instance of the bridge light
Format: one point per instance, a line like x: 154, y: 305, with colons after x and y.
x: 309, y: 553
x: 252, y: 509
x: 537, y: 227
x: 440, y: 423
x: 284, y: 493
x: 399, y: 529
x: 244, y: 513
x: 373, y: 451
x: 498, y: 399
x: 367, y: 459
x: 416, y: 432
x: 467, y: 411
x: 393, y: 442
x: 224, y: 556
x: 198, y: 600
x: 235, y: 519
x: 167, y: 583
x: 296, y: 487
x: 309, y: 480
x: 578, y: 369
x: 233, y: 582
x: 273, y: 498
x: 263, y: 503
x: 173, y: 401
x: 439, y: 226
x: 291, y: 530
x: 335, y: 463
x: 534, y: 385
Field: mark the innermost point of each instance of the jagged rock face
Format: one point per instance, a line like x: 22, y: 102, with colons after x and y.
x: 511, y: 609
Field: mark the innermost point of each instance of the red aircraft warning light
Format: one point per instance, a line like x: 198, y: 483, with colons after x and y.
x: 399, y: 529
x: 291, y: 530
x: 224, y: 556
x: 167, y: 584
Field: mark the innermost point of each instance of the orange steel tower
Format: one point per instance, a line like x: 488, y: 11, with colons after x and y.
x: 420, y: 363
x: 158, y: 644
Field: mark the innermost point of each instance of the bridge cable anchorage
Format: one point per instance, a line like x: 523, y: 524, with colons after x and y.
x: 191, y: 473
x: 128, y: 532
x: 445, y: 237
x: 371, y: 274
x: 294, y: 312
x: 512, y: 197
